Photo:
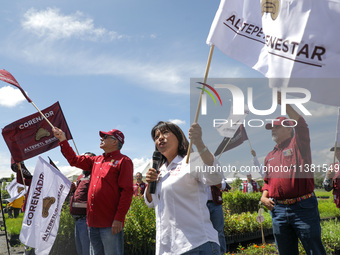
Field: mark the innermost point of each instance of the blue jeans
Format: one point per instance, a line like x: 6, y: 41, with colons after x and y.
x: 210, y: 248
x: 298, y: 221
x: 82, y: 237
x: 104, y: 243
x: 216, y: 217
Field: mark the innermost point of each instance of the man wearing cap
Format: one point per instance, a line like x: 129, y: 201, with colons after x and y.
x: 332, y: 178
x: 288, y: 191
x: 110, y: 191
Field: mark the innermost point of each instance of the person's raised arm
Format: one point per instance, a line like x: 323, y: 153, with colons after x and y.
x: 195, y: 134
x: 289, y: 109
x: 58, y: 133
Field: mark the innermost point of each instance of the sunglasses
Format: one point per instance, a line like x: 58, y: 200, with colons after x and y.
x: 106, y: 136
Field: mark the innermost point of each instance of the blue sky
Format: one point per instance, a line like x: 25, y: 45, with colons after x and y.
x: 125, y: 65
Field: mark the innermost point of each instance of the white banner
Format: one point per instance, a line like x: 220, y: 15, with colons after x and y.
x: 48, y: 191
x: 284, y: 39
x: 229, y: 127
x: 337, y: 135
x: 15, y: 190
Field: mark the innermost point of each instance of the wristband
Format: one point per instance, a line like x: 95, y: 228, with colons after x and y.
x: 204, y: 150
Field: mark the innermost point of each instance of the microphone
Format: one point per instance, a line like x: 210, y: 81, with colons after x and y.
x: 156, y: 161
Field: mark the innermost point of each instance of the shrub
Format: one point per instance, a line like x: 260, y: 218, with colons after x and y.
x: 327, y: 208
x: 140, y: 227
x: 330, y: 235
x: 244, y: 222
x: 236, y: 184
x: 238, y: 202
x: 254, y: 249
x: 64, y: 242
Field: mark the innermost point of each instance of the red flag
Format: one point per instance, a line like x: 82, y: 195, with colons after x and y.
x: 32, y: 135
x: 7, y: 77
x: 235, y: 141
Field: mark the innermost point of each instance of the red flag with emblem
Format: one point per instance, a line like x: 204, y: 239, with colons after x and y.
x: 31, y: 136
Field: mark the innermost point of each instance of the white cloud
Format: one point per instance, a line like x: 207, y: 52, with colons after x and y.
x: 69, y: 170
x: 61, y: 56
x: 139, y: 165
x: 51, y: 24
x: 5, y: 168
x: 177, y: 122
x: 10, y: 97
x: 319, y: 110
x: 322, y: 158
x: 139, y: 162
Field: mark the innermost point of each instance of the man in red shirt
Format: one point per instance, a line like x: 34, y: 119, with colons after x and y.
x: 139, y: 186
x: 332, y: 178
x: 110, y: 191
x: 288, y: 191
x: 250, y: 185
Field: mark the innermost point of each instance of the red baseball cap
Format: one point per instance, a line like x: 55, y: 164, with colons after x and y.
x: 278, y: 122
x: 114, y: 132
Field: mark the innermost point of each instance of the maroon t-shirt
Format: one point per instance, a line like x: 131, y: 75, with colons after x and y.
x: 138, y: 189
x: 289, y: 173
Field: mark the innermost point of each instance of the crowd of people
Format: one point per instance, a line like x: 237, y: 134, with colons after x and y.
x: 188, y: 203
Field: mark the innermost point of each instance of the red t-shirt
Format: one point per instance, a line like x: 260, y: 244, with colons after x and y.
x: 110, y: 192
x: 288, y: 167
x: 138, y: 189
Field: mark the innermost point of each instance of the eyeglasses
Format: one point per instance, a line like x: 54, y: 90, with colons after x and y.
x: 106, y: 136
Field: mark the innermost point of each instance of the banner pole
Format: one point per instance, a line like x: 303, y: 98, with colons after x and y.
x: 3, y: 218
x: 251, y: 148
x: 42, y: 115
x: 200, y: 98
x: 224, y: 149
x: 75, y: 146
x: 22, y: 176
x: 335, y: 145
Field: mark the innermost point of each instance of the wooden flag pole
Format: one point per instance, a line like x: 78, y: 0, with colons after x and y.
x: 228, y: 144
x: 200, y: 98
x: 75, y: 146
x: 224, y: 149
x: 51, y: 123
x: 335, y: 145
x: 42, y: 115
x: 22, y: 176
x: 251, y: 148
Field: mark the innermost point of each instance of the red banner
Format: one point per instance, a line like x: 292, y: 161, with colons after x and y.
x: 7, y: 77
x: 32, y: 135
x: 235, y: 141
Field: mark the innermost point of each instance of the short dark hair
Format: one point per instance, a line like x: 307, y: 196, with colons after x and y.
x: 183, y: 143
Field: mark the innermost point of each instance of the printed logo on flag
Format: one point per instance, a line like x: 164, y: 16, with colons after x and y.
x: 47, y: 202
x: 271, y: 6
x: 32, y: 135
x: 41, y: 133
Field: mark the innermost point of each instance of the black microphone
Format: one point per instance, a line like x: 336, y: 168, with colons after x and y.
x: 156, y: 161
